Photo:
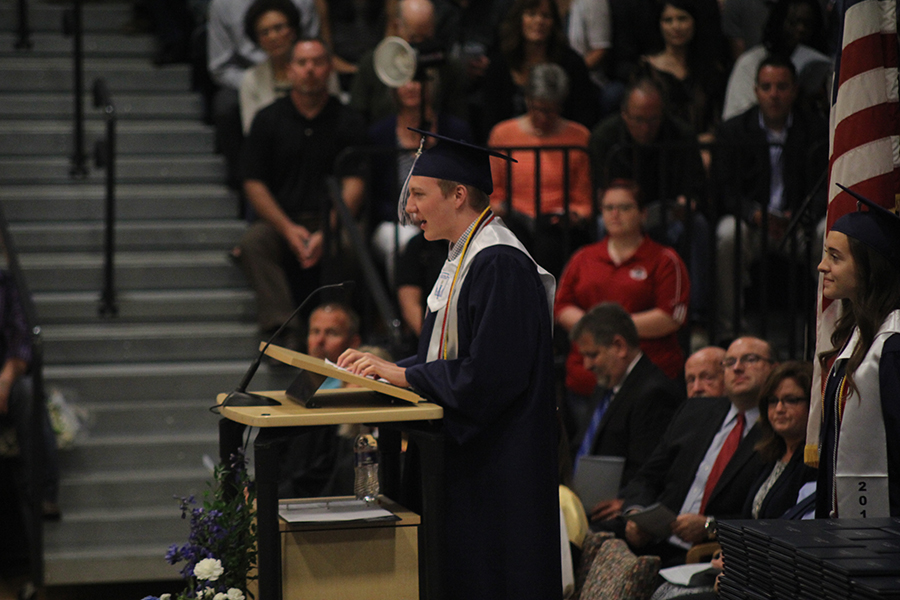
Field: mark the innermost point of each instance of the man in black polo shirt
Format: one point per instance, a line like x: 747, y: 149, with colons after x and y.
x: 286, y: 161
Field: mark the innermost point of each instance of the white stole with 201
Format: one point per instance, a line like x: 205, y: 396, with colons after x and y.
x: 443, y: 300
x: 860, y: 466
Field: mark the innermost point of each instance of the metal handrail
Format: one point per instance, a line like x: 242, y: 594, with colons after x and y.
x: 35, y: 528
x: 568, y: 244
x: 105, y: 157
x: 23, y: 30
x: 377, y: 290
x: 73, y: 25
x: 795, y: 289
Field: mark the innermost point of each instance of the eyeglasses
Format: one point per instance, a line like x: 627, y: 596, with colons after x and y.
x: 744, y: 360
x: 787, y: 400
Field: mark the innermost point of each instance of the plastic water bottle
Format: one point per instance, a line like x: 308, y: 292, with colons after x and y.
x: 365, y: 451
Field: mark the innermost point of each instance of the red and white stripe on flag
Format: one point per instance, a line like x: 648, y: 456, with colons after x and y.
x: 864, y: 138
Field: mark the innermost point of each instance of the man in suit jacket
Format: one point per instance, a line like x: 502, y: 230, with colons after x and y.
x: 634, y: 400
x: 769, y: 159
x: 678, y: 470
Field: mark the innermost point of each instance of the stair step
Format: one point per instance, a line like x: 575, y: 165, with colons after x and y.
x: 221, y: 234
x: 36, y: 138
x: 127, y: 453
x: 133, y: 271
x: 112, y: 564
x: 133, y: 201
x: 237, y: 306
x: 114, y: 491
x: 129, y: 106
x: 93, y: 45
x: 124, y: 342
x: 48, y: 17
x: 161, y: 381
x: 101, y: 528
x: 170, y: 416
x: 141, y: 168
x: 121, y: 75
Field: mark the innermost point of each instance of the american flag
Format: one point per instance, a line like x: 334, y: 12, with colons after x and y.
x: 864, y: 140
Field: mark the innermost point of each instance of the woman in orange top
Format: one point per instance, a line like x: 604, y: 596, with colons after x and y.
x: 536, y: 209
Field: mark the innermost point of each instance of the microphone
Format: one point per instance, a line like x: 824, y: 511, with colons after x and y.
x: 240, y: 396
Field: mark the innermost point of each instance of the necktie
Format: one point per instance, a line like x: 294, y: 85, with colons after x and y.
x: 593, y: 426
x: 725, y: 454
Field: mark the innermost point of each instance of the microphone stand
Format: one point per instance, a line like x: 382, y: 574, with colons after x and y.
x: 240, y: 396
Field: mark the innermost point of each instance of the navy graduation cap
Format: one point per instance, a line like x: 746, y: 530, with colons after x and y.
x: 453, y: 160
x: 877, y: 228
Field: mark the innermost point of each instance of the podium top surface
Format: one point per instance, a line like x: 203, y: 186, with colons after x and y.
x: 317, y: 365
x: 349, y: 405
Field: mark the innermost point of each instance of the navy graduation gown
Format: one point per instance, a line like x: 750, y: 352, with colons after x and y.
x: 501, y: 470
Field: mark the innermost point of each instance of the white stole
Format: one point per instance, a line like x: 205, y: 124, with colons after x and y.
x: 440, y: 301
x: 860, y: 466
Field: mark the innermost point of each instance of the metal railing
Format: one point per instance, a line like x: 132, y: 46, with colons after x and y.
x: 73, y: 25
x: 796, y: 330
x: 105, y: 157
x: 566, y: 233
x: 23, y: 29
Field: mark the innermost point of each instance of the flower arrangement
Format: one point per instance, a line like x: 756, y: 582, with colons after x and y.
x: 220, y: 553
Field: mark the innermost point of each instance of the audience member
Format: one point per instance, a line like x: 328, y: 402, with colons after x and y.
x: 273, y: 26
x: 649, y: 280
x: 173, y: 24
x: 17, y: 402
x: 418, y: 267
x: 467, y: 29
x: 590, y: 35
x: 644, y: 144
x: 286, y: 160
x: 532, y: 34
x: 743, y: 22
x: 316, y: 463
x: 355, y: 28
x: 415, y: 24
x: 688, y: 69
x: 634, y: 400
x: 542, y: 216
x: 705, y: 464
x: 857, y: 426
x: 783, y: 412
x: 390, y: 170
x: 795, y: 28
x: 636, y: 32
x: 771, y: 157
x: 230, y: 52
x: 704, y: 374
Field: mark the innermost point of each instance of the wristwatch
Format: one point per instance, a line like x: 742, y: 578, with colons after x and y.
x: 710, y: 528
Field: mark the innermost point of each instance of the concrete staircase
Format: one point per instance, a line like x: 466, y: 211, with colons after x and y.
x: 185, y: 328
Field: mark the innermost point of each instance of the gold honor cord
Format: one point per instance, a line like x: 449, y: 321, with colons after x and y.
x: 481, y: 219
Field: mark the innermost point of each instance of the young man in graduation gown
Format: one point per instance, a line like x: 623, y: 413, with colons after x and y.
x: 485, y: 356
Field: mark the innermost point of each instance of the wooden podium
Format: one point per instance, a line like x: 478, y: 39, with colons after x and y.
x: 395, y: 410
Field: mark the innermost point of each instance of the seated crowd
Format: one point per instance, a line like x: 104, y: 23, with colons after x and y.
x: 534, y: 79
x: 650, y: 137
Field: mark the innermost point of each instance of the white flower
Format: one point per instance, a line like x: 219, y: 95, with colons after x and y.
x: 166, y: 597
x: 235, y: 594
x: 220, y: 596
x: 209, y: 569
x: 207, y: 593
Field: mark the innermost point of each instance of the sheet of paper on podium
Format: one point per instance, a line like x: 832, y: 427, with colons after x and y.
x: 311, y: 364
